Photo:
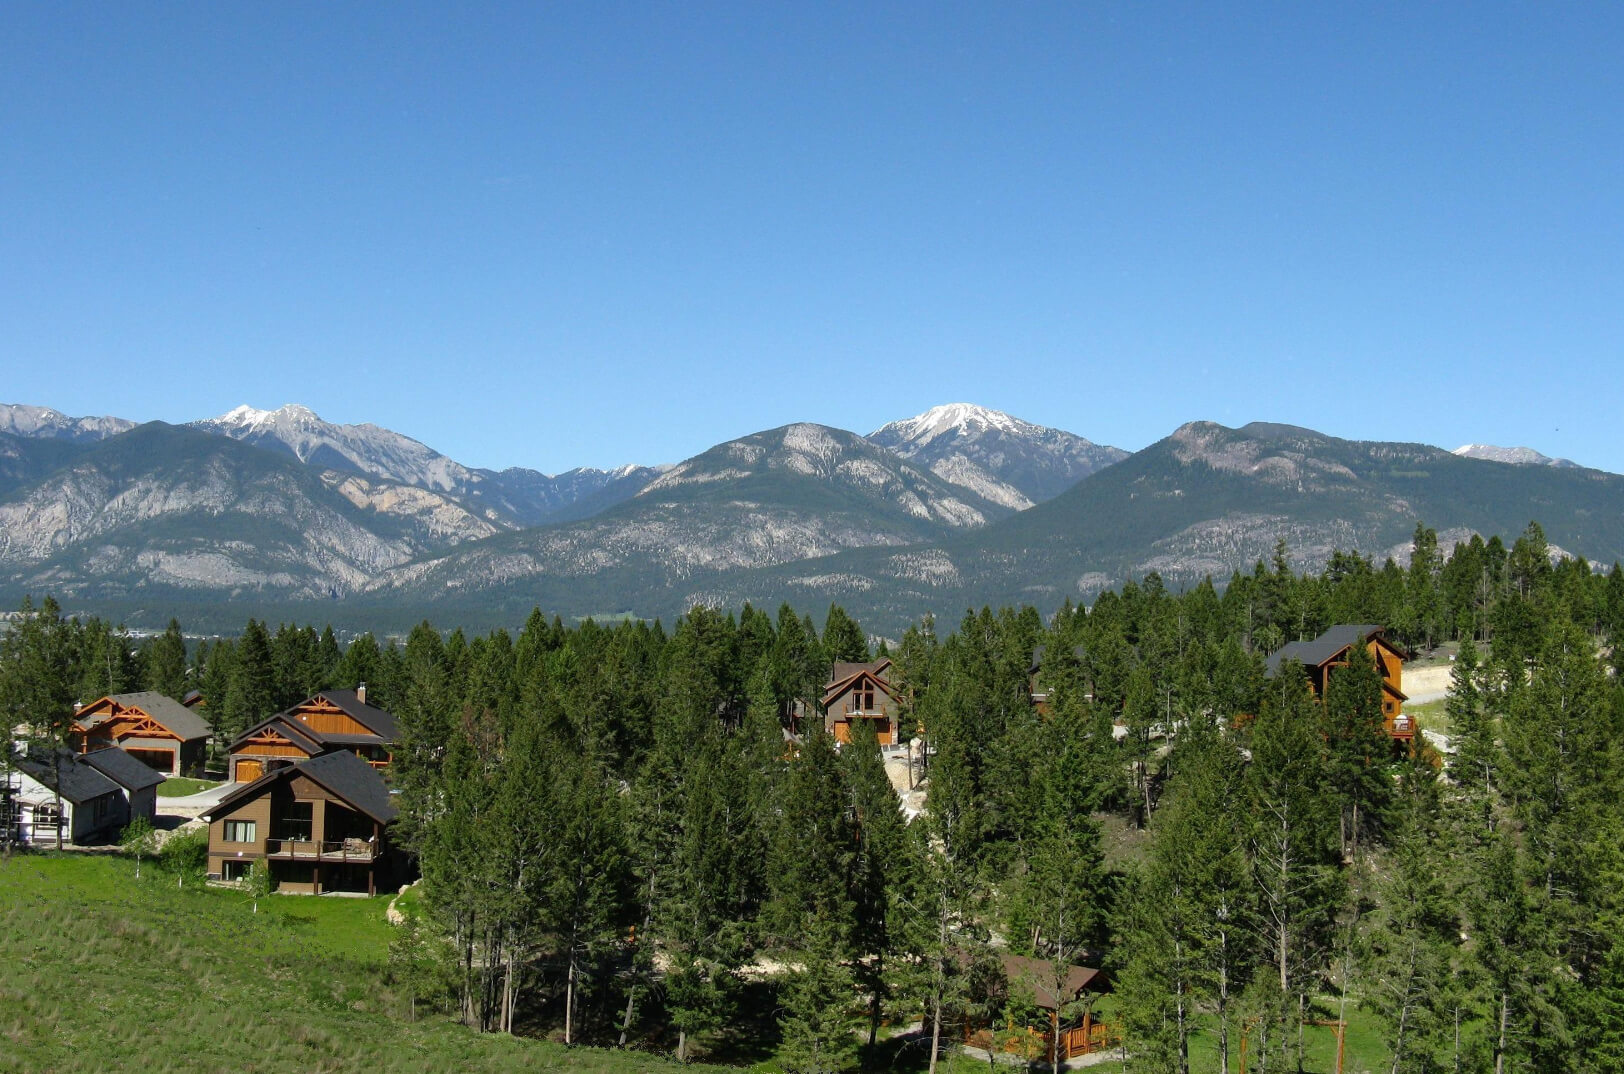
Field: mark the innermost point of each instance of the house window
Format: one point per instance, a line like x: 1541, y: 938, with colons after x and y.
x: 862, y: 698
x: 239, y: 831
x: 296, y: 822
x: 47, y: 815
x: 234, y: 870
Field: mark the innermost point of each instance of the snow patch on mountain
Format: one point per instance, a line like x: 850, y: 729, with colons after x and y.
x: 1522, y: 456
x: 956, y: 418
x: 365, y: 448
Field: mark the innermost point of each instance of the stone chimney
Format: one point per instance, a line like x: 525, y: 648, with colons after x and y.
x: 361, y: 693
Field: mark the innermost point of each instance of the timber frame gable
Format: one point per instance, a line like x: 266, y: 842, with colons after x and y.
x: 860, y: 692
x: 327, y: 722
x: 154, y: 729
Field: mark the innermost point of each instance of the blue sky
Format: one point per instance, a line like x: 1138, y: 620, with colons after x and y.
x: 582, y: 234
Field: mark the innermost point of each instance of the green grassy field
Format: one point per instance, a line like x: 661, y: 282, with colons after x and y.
x: 106, y: 973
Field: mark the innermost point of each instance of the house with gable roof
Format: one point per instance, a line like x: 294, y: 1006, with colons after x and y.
x: 858, y: 692
x: 330, y: 721
x: 1332, y: 649
x: 323, y: 825
x: 156, y: 730
x: 84, y: 797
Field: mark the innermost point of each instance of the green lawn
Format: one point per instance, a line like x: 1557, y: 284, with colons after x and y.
x: 99, y: 972
x: 103, y: 972
x: 180, y: 786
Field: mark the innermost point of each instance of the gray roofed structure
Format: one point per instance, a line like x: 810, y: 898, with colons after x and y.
x: 79, y: 782
x: 122, y: 769
x: 185, y: 723
x: 290, y: 729
x: 1323, y: 649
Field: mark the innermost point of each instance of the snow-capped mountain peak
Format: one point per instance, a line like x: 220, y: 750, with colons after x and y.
x: 994, y: 454
x: 366, y: 449
x: 962, y: 418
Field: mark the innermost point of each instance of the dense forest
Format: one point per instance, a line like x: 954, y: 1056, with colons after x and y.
x: 626, y: 837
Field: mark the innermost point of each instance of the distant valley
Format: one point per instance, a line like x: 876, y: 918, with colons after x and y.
x: 281, y: 514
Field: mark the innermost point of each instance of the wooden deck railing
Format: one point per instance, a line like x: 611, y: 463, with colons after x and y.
x: 339, y: 850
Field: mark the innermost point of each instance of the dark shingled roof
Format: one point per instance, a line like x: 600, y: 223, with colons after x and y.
x: 1323, y: 649
x: 80, y: 782
x: 167, y: 711
x: 343, y: 773
x: 845, y: 672
x: 353, y: 780
x: 122, y: 769
x: 288, y: 728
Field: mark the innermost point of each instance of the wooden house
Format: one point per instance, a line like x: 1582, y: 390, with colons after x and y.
x: 1330, y: 650
x: 1080, y: 1032
x: 1039, y: 690
x: 87, y: 798
x: 860, y: 692
x: 322, y: 825
x: 327, y: 722
x: 156, y: 730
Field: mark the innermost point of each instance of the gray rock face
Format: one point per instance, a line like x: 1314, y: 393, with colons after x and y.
x: 44, y: 423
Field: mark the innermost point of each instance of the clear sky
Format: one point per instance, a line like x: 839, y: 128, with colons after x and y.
x: 584, y: 234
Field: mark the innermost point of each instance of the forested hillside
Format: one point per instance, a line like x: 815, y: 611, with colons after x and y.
x: 620, y: 843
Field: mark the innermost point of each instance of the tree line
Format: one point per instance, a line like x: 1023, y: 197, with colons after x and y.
x: 634, y: 835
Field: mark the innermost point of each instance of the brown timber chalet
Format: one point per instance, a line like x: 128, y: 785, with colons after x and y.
x: 330, y: 721
x: 156, y: 730
x: 857, y: 693
x: 1331, y: 649
x: 322, y: 825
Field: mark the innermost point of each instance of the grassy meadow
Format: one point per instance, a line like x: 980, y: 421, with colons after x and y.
x: 107, y: 973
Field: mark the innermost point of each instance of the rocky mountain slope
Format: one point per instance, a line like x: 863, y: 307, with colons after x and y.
x: 162, y: 509
x: 507, y: 498
x: 281, y: 515
x: 790, y: 494
x: 41, y: 422
x: 1210, y: 500
x: 996, y: 456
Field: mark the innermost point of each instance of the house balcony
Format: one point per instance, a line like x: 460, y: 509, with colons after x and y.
x: 337, y: 850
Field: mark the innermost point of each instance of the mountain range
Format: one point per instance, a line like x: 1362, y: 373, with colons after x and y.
x: 281, y: 514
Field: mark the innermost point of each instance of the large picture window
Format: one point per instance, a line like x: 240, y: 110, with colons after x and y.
x: 239, y: 831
